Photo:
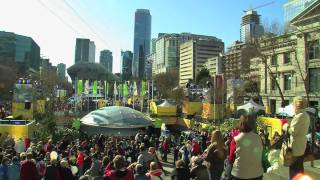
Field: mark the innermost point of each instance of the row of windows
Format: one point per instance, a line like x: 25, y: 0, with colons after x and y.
x: 286, y: 58
x: 313, y: 53
x: 314, y: 49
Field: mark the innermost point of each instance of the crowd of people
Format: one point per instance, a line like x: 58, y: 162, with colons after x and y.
x: 196, y: 156
x: 235, y: 155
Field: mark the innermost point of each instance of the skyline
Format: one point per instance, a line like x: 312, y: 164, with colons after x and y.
x: 55, y: 25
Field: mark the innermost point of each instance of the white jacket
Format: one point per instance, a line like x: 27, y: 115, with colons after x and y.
x: 248, y: 156
x: 298, y: 131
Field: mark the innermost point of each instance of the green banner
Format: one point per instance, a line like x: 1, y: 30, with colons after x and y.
x: 157, y: 123
x: 120, y: 87
x: 79, y: 87
x: 94, y: 87
x: 76, y: 124
x: 143, y: 88
x: 125, y: 90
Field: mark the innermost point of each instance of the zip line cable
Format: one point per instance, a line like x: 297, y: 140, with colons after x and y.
x: 85, y: 22
x: 57, y: 16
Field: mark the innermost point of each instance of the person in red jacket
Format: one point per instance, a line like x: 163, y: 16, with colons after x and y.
x: 165, y: 149
x: 80, y: 161
x: 27, y: 142
x: 120, y: 172
x: 28, y: 169
x: 195, y: 148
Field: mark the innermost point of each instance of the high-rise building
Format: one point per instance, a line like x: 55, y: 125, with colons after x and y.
x: 126, y: 65
x: 153, y: 45
x: 61, y: 70
x: 214, y: 65
x: 45, y: 64
x: 142, y: 37
x: 234, y: 61
x: 251, y: 27
x: 92, y: 52
x: 294, y: 7
x: 82, y: 50
x: 167, y: 50
x: 106, y: 59
x: 194, y: 54
x: 22, y: 50
x: 149, y: 66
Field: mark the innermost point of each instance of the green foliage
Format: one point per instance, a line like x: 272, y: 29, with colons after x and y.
x: 70, y: 134
x: 229, y: 124
x: 203, y: 74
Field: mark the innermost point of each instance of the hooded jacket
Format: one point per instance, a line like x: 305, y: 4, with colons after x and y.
x: 121, y: 174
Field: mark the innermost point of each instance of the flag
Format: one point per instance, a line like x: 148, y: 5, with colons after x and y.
x: 105, y: 89
x: 135, y: 89
x: 115, y: 90
x: 143, y: 88
x: 120, y: 88
x: 79, y: 88
x: 76, y: 124
x: 125, y: 90
x: 86, y: 86
x: 94, y: 87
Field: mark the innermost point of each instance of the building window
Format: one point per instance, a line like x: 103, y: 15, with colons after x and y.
x: 314, y: 104
x: 314, y: 49
x: 287, y: 82
x: 273, y: 106
x: 286, y: 58
x: 286, y: 102
x: 274, y: 60
x: 273, y: 84
x: 314, y: 79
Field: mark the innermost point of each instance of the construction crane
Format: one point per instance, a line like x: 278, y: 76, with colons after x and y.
x: 260, y: 6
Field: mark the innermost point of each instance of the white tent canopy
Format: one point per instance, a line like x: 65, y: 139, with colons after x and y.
x: 166, y: 104
x: 288, y: 110
x: 251, y: 106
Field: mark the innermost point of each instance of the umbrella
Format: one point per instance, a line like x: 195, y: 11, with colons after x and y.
x: 252, y: 107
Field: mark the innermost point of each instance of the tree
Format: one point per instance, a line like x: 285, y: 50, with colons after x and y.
x: 8, y: 76
x: 166, y: 82
x: 265, y: 48
x: 203, y: 77
x: 202, y: 74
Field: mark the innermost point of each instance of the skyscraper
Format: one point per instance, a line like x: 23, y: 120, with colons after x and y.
x: 82, y: 50
x: 106, y: 59
x: 61, y: 70
x: 167, y: 50
x: 92, y: 52
x: 194, y: 54
x: 126, y: 65
x: 142, y: 37
x: 22, y: 50
x: 293, y: 7
x: 251, y: 27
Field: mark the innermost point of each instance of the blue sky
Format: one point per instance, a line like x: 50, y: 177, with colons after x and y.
x: 111, y: 21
